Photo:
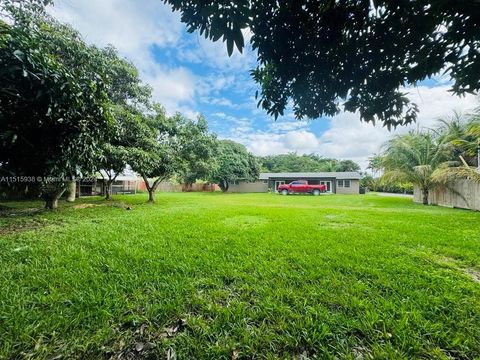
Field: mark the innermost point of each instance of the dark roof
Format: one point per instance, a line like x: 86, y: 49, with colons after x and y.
x: 312, y: 175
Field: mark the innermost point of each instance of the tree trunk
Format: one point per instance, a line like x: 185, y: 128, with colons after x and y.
x: 51, y: 198
x: 51, y: 204
x: 425, y: 196
x: 108, y: 190
x: 223, y: 185
x: 71, y: 191
x: 151, y: 195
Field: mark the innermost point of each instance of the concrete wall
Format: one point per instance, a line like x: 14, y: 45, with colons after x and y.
x: 257, y: 186
x: 465, y: 194
x: 169, y: 187
x: 353, y: 189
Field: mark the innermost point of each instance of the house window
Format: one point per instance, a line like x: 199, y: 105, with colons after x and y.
x: 343, y: 183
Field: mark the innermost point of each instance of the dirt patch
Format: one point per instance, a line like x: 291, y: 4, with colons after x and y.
x: 22, y: 226
x: 142, y: 341
x: 455, y: 264
x: 11, y: 212
x: 474, y: 274
x: 84, y: 206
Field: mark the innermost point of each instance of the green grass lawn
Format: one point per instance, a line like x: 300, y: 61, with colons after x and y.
x: 212, y: 276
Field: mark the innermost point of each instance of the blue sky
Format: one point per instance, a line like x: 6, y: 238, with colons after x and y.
x: 192, y: 75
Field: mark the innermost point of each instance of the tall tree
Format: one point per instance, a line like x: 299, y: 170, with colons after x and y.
x: 196, y: 151
x: 235, y: 163
x: 129, y: 96
x: 53, y: 100
x: 414, y: 157
x: 153, y: 154
x: 167, y: 146
x: 347, y: 165
x: 358, y: 53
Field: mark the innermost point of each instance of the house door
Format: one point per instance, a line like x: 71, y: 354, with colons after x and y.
x: 278, y: 183
x: 328, y: 184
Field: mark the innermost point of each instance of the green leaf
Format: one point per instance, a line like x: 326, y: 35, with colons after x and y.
x: 238, y: 38
x: 229, y: 46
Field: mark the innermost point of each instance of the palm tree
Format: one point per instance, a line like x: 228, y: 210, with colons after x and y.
x: 463, y: 133
x: 414, y: 157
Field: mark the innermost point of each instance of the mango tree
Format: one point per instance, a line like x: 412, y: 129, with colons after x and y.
x: 234, y: 163
x: 54, y: 104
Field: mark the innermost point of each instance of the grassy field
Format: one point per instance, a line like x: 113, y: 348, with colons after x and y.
x: 212, y: 276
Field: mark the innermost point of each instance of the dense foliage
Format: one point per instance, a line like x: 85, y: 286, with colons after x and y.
x: 128, y: 97
x: 321, y: 54
x: 54, y: 103
x: 235, y: 163
x: 166, y: 146
x: 68, y: 110
x: 292, y: 162
x: 198, y: 150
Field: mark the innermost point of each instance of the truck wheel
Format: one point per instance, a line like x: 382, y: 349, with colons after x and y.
x: 316, y: 192
x: 284, y: 192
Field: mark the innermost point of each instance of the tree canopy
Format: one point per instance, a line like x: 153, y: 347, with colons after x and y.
x: 197, y: 151
x: 68, y: 109
x: 323, y: 56
x: 128, y: 97
x: 235, y: 163
x: 54, y: 104
x: 167, y: 146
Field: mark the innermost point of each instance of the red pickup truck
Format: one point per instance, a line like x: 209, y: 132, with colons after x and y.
x: 301, y: 186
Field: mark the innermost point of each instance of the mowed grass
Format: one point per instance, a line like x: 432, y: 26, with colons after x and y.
x: 244, y: 276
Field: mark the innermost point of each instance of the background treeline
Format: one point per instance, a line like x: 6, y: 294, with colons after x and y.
x: 292, y: 162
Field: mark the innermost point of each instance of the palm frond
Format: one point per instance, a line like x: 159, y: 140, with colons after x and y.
x: 447, y: 175
x: 393, y: 176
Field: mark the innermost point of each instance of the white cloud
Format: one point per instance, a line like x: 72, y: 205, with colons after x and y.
x: 288, y: 125
x: 302, y: 141
x: 172, y: 87
x: 134, y: 27
x: 131, y: 26
x: 265, y: 144
x: 350, y: 138
x: 214, y: 54
x: 437, y: 102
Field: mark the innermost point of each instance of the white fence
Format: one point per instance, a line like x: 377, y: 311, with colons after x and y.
x: 465, y: 194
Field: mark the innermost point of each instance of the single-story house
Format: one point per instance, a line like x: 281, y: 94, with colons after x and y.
x: 347, y: 182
